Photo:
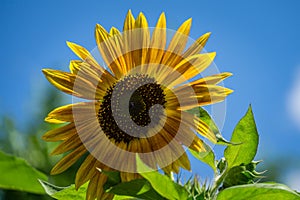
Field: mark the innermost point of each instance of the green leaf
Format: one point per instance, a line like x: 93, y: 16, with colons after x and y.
x: 139, y: 188
x: 17, y: 174
x: 222, y: 165
x: 121, y: 197
x: 207, y: 157
x: 70, y: 193
x: 238, y: 175
x: 65, y: 193
x: 161, y: 183
x: 197, y: 190
x: 242, y: 174
x: 259, y: 191
x: 113, y: 178
x: 205, y: 117
x: 49, y: 188
x: 246, y: 134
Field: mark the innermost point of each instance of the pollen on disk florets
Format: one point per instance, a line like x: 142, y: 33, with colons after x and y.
x: 144, y: 93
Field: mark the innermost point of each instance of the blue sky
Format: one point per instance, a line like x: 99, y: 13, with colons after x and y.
x: 255, y: 40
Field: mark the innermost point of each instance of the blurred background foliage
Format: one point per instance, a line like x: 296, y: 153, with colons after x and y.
x: 27, y: 143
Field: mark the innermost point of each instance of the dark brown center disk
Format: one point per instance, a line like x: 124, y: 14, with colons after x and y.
x: 142, y: 99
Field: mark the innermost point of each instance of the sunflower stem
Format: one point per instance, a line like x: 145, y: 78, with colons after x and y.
x: 217, y: 183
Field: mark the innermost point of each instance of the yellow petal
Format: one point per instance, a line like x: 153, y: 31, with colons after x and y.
x: 177, y: 44
x: 67, y: 145
x: 204, y: 130
x: 61, y: 80
x: 84, y: 54
x: 95, y: 187
x: 197, y: 46
x: 172, y: 167
x: 174, y: 149
x: 148, y: 156
x: 91, y: 73
x: 201, y: 95
x: 184, y: 70
x: 141, y: 21
x: 118, y: 43
x: 106, y: 196
x: 75, y: 66
x: 114, y: 31
x: 186, y: 134
x: 83, y: 111
x: 140, y: 40
x: 84, y: 70
x: 126, y: 176
x: 184, y: 162
x: 100, y: 191
x: 161, y: 22
x: 158, y: 41
x: 128, y: 27
x: 61, y: 133
x: 68, y: 160
x: 168, y: 169
x: 110, y: 49
x: 197, y: 145
x: 211, y: 80
x: 156, y: 142
x: 129, y: 22
x: 169, y: 165
x: 91, y: 192
x: 193, y: 65
x: 62, y: 114
x: 207, y: 94
x: 86, y: 171
x: 179, y: 40
x: 83, y: 88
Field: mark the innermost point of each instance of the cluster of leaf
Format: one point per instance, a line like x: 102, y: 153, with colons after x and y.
x: 235, y: 174
x: 25, y: 157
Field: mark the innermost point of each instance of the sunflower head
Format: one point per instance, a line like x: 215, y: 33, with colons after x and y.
x: 136, y: 102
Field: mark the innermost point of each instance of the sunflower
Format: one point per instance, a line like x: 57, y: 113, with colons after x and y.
x: 135, y: 102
